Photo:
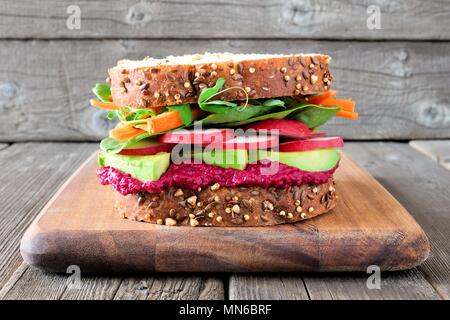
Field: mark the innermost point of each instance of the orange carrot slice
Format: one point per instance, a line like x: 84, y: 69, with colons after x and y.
x: 125, y: 132
x: 324, y: 96
x: 166, y: 121
x: 345, y: 104
x: 104, y: 105
x: 347, y: 114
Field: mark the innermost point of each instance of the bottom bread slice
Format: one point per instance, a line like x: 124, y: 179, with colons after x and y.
x: 217, y: 206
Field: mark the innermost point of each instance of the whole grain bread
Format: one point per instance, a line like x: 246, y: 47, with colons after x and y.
x: 152, y: 83
x: 217, y: 206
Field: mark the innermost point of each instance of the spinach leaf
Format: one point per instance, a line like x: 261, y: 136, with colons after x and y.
x: 209, y: 92
x: 185, y: 112
x: 236, y: 114
x: 102, y: 91
x: 274, y: 115
x: 273, y: 102
x: 314, y: 116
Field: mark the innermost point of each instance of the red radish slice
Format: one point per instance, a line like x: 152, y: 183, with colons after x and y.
x: 198, y: 137
x: 285, y: 127
x: 146, y: 148
x: 251, y: 142
x: 312, y: 144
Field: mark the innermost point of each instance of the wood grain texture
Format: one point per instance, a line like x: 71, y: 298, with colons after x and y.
x: 68, y: 232
x: 29, y: 175
x: 267, y: 287
x: 163, y: 287
x: 33, y: 284
x: 401, y: 89
x: 405, y: 285
x: 422, y: 187
x: 410, y: 284
x: 438, y: 150
x: 400, y: 19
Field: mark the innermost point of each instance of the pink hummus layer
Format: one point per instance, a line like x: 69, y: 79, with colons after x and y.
x: 193, y: 176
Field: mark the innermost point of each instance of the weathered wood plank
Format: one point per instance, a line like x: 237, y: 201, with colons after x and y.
x: 267, y: 287
x: 30, y: 283
x: 401, y: 89
x: 438, y: 150
x: 409, y: 284
x: 33, y: 284
x: 422, y: 188
x: 29, y: 175
x: 171, y: 287
x: 400, y: 19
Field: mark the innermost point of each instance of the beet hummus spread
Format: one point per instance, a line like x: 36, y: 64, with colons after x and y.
x: 193, y: 176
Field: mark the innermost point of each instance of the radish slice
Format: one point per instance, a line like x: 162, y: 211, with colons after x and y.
x: 198, y: 137
x: 312, y: 144
x: 283, y: 127
x: 146, y: 148
x: 251, y: 142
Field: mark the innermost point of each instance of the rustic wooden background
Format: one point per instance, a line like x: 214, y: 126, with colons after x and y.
x: 398, y: 75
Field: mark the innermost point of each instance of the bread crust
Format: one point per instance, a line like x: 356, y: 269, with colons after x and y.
x: 160, y: 84
x: 217, y: 206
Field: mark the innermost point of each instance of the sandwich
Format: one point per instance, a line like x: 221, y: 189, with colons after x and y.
x: 221, y: 139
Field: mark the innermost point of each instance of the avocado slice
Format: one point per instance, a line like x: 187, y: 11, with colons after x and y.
x: 236, y: 159
x: 144, y: 168
x: 314, y: 160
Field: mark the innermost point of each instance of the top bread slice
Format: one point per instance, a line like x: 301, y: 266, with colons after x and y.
x: 153, y: 83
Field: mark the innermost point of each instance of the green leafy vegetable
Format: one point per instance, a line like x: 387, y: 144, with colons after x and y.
x: 235, y: 115
x: 218, y: 106
x: 208, y: 93
x: 130, y: 114
x: 114, y: 146
x: 274, y: 115
x: 102, y: 91
x: 314, y: 116
x: 185, y: 112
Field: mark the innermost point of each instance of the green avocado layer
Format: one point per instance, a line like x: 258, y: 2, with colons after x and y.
x: 144, y: 168
x: 236, y: 159
x: 315, y: 160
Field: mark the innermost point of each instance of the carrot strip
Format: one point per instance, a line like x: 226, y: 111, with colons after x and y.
x: 345, y: 104
x: 125, y: 132
x: 166, y: 121
x: 347, y: 114
x: 104, y: 105
x: 324, y: 96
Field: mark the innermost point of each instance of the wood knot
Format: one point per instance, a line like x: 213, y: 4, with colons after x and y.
x: 140, y: 13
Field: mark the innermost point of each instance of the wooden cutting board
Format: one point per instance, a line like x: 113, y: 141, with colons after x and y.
x: 368, y: 227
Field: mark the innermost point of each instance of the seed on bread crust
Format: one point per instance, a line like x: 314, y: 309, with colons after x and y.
x: 170, y: 222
